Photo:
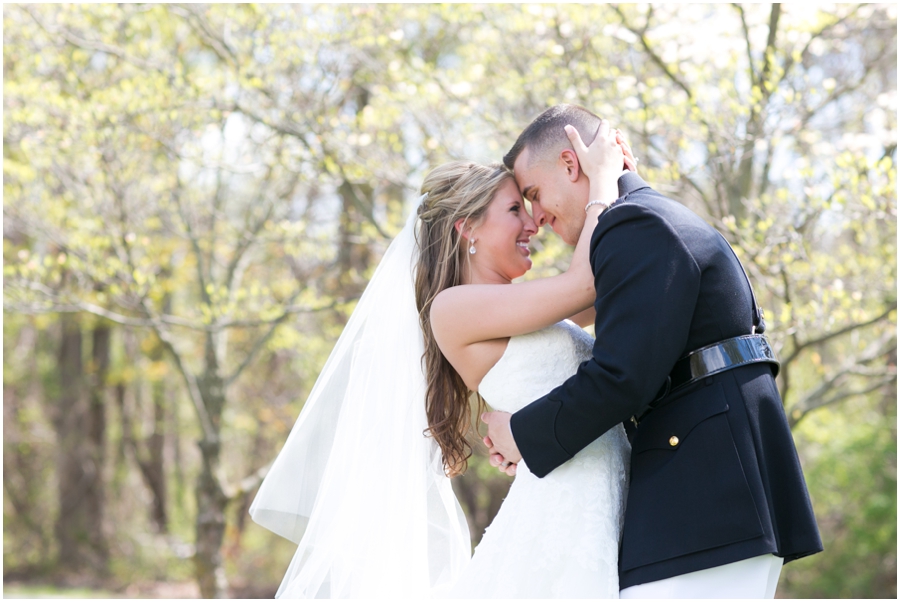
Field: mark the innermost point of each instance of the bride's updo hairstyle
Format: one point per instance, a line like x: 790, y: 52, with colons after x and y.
x: 457, y: 190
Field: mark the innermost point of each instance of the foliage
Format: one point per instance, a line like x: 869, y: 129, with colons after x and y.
x: 218, y: 182
x: 855, y: 502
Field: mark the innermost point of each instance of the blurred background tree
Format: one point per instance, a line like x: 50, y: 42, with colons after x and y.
x: 195, y: 195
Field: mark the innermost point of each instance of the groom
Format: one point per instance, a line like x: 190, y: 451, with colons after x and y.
x: 717, y: 499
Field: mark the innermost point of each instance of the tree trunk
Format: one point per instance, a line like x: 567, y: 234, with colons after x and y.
x: 211, y: 502
x: 96, y: 442
x: 155, y: 473
x: 147, y: 451
x: 354, y: 255
x: 211, y: 499
x: 155, y: 469
x: 79, y: 461
x: 742, y: 186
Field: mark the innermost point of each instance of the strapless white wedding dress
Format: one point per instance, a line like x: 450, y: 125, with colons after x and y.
x: 556, y: 537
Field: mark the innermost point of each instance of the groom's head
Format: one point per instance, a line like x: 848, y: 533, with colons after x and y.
x: 547, y: 170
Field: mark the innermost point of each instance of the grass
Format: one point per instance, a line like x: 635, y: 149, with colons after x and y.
x: 51, y: 591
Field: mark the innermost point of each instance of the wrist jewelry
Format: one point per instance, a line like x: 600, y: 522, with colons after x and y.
x: 605, y: 204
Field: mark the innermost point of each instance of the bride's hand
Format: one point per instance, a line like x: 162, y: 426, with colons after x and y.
x: 602, y: 162
x: 630, y: 160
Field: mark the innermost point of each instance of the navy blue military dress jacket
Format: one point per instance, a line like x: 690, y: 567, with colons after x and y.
x: 715, y: 476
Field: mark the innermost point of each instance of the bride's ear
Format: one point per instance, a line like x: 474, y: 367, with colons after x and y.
x: 569, y: 161
x: 460, y: 226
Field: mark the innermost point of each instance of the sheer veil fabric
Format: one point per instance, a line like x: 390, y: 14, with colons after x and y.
x: 357, y: 485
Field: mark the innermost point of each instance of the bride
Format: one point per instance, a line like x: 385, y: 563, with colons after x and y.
x: 362, y: 483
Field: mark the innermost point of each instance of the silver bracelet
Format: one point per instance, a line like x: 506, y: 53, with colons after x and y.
x: 605, y: 204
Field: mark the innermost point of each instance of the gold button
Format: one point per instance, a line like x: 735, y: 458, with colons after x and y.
x: 673, y: 440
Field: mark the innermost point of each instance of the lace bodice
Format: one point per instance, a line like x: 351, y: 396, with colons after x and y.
x: 534, y: 364
x: 555, y: 537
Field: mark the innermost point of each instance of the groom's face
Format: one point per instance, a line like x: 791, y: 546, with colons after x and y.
x: 557, y: 192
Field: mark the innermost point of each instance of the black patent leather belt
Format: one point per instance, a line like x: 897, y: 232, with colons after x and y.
x: 715, y: 358
x: 721, y: 356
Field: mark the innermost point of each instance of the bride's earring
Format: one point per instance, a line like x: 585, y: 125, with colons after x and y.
x: 472, y: 247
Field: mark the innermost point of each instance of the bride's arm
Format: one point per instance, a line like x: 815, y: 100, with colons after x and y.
x: 585, y: 318
x: 467, y: 314
x: 592, y: 165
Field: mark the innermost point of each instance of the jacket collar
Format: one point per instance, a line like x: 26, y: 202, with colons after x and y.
x: 629, y: 182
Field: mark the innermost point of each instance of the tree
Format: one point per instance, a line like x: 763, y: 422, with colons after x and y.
x: 221, y: 180
x: 146, y: 179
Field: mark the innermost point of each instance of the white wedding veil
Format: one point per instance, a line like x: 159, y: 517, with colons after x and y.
x: 358, y: 485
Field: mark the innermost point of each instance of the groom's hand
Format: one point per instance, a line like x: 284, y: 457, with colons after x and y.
x: 499, y: 440
x: 498, y: 461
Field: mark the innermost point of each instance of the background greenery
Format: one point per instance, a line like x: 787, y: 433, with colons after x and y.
x: 196, y: 195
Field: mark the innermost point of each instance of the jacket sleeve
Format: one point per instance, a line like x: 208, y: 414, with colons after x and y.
x: 647, y: 286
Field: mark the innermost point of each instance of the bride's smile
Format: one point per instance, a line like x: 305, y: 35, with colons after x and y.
x: 502, y: 239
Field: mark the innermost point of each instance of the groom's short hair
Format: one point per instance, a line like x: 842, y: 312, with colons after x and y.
x: 547, y: 132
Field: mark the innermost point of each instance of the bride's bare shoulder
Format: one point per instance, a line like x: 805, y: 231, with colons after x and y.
x: 450, y: 306
x: 463, y: 314
x: 446, y: 310
x: 457, y: 329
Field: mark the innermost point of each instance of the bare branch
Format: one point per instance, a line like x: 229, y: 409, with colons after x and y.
x: 769, y: 53
x: 798, y: 413
x: 206, y: 33
x: 350, y: 188
x: 58, y: 304
x: 764, y: 181
x: 24, y: 511
x: 195, y: 246
x: 290, y: 309
x: 753, y: 78
x: 287, y: 129
x: 829, y: 392
x: 151, y: 321
x: 217, y: 207
x: 76, y: 308
x: 258, y: 345
x: 800, y: 347
x: 787, y: 365
x: 209, y: 432
x: 95, y: 45
x: 699, y: 190
x: 641, y: 35
x: 248, y: 483
x: 364, y: 207
x: 250, y: 237
x: 789, y: 61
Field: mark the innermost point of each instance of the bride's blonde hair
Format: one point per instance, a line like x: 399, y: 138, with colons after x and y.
x: 454, y: 191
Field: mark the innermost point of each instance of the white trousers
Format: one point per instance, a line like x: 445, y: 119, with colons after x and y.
x: 751, y: 578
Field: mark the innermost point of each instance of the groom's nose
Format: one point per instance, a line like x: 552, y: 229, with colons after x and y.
x: 540, y: 218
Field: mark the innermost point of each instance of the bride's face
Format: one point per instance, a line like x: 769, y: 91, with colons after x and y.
x: 502, y: 239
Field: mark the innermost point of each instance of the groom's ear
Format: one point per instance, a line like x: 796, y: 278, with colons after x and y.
x: 569, y: 161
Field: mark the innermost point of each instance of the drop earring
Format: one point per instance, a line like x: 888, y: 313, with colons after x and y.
x: 472, y: 247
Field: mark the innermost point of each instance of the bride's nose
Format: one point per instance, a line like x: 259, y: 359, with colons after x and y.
x: 530, y: 226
